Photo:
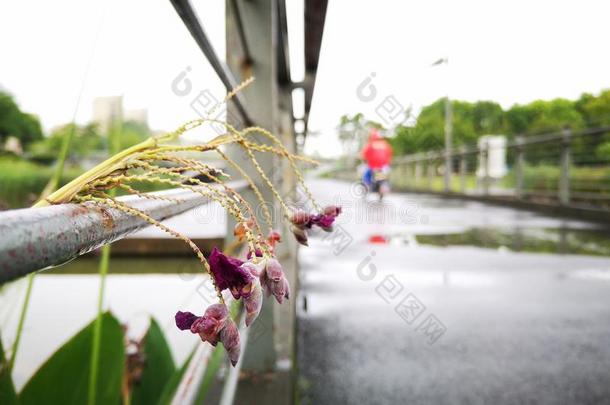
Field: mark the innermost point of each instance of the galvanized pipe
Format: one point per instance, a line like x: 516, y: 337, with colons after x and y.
x: 34, y: 239
x: 186, y: 12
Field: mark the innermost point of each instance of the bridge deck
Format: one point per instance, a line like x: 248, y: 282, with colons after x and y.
x: 412, y: 321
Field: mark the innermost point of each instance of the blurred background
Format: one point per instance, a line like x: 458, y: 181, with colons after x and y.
x: 471, y: 266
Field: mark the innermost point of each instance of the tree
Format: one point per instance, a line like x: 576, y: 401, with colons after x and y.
x: 133, y: 132
x: 488, y: 118
x: 86, y: 139
x: 13, y: 122
x: 596, y: 112
x: 595, y: 109
x: 544, y: 116
x: 351, y: 133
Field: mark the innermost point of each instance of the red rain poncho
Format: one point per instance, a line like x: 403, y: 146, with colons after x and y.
x: 377, y: 152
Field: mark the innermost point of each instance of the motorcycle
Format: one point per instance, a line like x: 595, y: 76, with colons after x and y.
x: 380, y: 184
x: 376, y: 181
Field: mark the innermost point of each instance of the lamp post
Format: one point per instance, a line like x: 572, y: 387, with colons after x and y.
x: 448, y: 130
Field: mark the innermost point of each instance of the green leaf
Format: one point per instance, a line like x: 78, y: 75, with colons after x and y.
x: 174, y: 381
x: 7, y: 389
x: 63, y: 378
x: 158, y: 369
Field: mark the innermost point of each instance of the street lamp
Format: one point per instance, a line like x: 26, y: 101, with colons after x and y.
x: 448, y: 129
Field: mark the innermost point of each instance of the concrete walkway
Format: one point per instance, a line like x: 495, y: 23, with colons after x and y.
x: 405, y: 322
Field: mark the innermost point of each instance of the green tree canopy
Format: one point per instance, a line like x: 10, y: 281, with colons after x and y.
x: 86, y: 138
x: 544, y: 116
x: 472, y: 120
x: 14, y: 122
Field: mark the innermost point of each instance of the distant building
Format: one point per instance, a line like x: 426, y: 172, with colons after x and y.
x: 106, y: 111
x: 493, y: 163
x: 140, y: 116
x: 13, y: 144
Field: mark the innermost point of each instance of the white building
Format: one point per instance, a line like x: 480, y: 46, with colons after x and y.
x: 140, y: 116
x: 107, y: 110
x: 495, y: 145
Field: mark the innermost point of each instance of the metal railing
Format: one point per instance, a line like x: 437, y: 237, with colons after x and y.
x: 562, y: 168
x: 38, y: 238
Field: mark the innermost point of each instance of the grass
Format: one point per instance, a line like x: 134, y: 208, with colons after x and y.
x: 22, y: 181
x: 545, y: 178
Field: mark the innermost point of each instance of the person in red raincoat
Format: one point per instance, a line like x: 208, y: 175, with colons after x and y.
x: 377, y: 154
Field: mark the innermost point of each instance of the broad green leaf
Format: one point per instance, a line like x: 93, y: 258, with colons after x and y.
x: 7, y: 389
x: 63, y: 378
x: 174, y: 381
x: 158, y: 367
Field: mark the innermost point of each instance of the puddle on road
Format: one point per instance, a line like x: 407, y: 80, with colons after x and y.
x: 551, y: 240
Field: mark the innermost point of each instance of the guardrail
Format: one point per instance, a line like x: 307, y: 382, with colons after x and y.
x: 559, y: 168
x: 38, y: 238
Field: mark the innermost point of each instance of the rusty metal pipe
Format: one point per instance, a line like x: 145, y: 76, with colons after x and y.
x: 34, y: 239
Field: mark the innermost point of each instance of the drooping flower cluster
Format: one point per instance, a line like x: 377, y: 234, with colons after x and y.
x: 245, y: 281
x: 160, y: 160
x: 303, y: 221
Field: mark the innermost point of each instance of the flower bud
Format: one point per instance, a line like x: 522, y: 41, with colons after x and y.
x: 300, y: 235
x: 229, y: 336
x: 253, y: 302
x: 274, y: 281
x: 300, y: 218
x: 332, y: 210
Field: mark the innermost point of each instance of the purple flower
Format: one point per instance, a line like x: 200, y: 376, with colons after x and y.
x: 211, y: 323
x: 228, y: 272
x: 257, y: 253
x: 184, y: 320
x: 274, y: 281
x: 301, y: 221
x: 229, y: 336
x: 214, y: 326
x: 207, y: 326
x: 324, y: 221
x: 332, y: 210
x: 252, y: 293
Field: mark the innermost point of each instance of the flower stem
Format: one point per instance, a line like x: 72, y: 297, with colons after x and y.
x: 24, y: 311
x: 97, y: 329
x: 51, y: 185
x: 114, y: 147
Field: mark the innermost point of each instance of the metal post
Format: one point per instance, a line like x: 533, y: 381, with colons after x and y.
x: 405, y: 173
x: 485, y: 164
x: 259, y: 22
x: 448, y: 142
x: 519, y: 166
x: 463, y: 168
x: 564, y: 180
x: 430, y: 169
x: 413, y: 174
x: 418, y: 171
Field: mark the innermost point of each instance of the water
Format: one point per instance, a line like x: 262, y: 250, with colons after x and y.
x: 64, y: 303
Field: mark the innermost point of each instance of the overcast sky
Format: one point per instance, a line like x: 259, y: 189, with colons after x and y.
x: 507, y: 51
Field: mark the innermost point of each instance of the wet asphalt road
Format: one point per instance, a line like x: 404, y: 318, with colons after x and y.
x: 405, y: 323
